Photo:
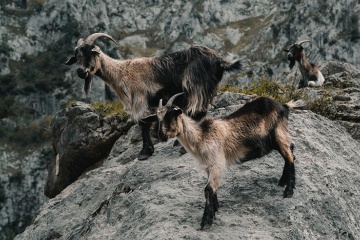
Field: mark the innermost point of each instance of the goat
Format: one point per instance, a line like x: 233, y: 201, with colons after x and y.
x: 311, y: 75
x: 251, y: 132
x: 141, y: 82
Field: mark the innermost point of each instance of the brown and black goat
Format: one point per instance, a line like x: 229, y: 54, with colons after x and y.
x: 141, y: 82
x: 311, y: 75
x: 251, y: 132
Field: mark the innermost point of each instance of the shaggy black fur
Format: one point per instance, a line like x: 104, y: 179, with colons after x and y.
x: 196, y: 72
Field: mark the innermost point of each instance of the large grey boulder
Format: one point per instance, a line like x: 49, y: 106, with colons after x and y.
x: 80, y: 139
x: 162, y: 197
x: 341, y: 74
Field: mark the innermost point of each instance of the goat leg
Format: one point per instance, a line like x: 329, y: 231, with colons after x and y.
x: 289, y: 190
x: 209, y: 211
x: 148, y: 147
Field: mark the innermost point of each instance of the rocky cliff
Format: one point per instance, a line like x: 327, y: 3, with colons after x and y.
x: 37, y: 36
x: 22, y: 180
x: 162, y: 197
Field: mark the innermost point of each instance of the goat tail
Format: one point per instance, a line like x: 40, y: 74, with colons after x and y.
x: 231, y: 66
x: 300, y: 104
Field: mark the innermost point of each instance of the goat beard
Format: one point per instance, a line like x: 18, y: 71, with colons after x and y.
x: 292, y: 63
x: 87, y: 85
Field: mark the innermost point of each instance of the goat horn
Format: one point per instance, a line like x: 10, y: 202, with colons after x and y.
x: 90, y: 39
x: 171, y: 100
x: 160, y: 103
x: 304, y: 41
x: 80, y: 42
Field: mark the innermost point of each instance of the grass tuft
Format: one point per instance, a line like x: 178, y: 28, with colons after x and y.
x: 285, y: 92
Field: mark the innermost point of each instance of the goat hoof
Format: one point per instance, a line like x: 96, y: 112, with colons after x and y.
x: 145, y: 153
x: 143, y: 156
x: 207, y: 220
x: 288, y: 193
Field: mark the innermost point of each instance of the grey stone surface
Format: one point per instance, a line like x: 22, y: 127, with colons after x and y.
x: 162, y: 197
x: 80, y: 139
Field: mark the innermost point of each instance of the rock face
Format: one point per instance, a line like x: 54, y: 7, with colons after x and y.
x: 343, y: 88
x: 257, y: 32
x: 43, y: 32
x: 162, y: 197
x: 22, y: 179
x: 81, y: 138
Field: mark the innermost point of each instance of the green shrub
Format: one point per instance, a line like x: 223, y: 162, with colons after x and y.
x: 109, y: 109
x: 284, y: 93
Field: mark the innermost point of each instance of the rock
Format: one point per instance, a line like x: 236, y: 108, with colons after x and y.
x: 334, y: 67
x: 255, y: 33
x: 22, y: 180
x: 81, y: 138
x: 341, y: 98
x: 341, y: 74
x: 162, y: 197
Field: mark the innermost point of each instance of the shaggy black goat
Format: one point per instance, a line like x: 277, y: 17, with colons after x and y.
x: 250, y: 132
x: 311, y: 74
x: 141, y: 82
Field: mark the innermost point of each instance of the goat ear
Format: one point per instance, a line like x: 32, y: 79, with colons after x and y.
x: 149, y: 119
x: 96, y: 50
x: 286, y: 50
x: 72, y: 60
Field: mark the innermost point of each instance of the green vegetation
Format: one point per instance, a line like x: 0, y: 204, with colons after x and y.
x: 104, y: 109
x: 36, y: 132
x: 109, y: 109
x: 286, y: 92
x: 38, y: 74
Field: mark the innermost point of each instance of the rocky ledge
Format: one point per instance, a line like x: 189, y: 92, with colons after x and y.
x: 162, y: 197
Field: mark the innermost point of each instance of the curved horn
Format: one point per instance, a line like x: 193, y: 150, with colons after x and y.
x: 171, y: 100
x: 90, y: 39
x: 304, y: 41
x: 80, y: 42
x: 160, y: 103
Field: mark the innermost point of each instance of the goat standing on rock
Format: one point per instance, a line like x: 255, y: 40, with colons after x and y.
x: 311, y: 74
x: 250, y: 132
x: 141, y: 82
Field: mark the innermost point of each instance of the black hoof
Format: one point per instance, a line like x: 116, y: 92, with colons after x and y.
x: 145, y: 153
x: 207, y: 220
x: 143, y: 156
x: 288, y: 193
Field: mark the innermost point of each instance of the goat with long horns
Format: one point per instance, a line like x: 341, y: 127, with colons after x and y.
x: 141, y: 82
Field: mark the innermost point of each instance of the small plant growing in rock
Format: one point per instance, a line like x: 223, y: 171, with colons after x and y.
x: 284, y: 92
x: 109, y: 109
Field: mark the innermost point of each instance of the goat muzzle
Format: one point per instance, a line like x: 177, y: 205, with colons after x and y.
x: 290, y: 56
x: 82, y: 73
